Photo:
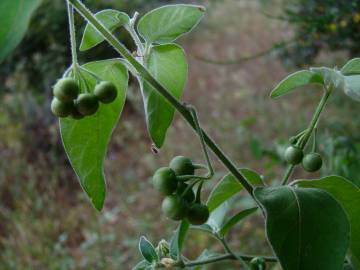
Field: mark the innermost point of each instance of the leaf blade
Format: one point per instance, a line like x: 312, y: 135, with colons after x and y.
x: 177, y: 242
x: 294, y: 80
x: 300, y: 227
x: 147, y: 250
x: 235, y: 219
x: 168, y: 65
x: 111, y: 19
x: 348, y: 194
x: 228, y: 186
x: 14, y: 19
x: 352, y: 67
x: 167, y: 23
x: 83, y: 146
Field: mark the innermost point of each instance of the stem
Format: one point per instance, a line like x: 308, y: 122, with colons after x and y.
x: 134, y: 35
x: 227, y: 256
x: 145, y: 74
x: 203, y: 145
x: 310, y: 130
x: 238, y: 257
x: 70, y: 11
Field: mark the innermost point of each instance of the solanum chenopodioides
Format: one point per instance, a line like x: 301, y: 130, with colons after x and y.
x: 311, y: 224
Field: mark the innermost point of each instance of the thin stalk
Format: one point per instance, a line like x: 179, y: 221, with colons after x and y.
x: 238, y: 257
x: 304, y: 140
x: 224, y: 257
x: 145, y: 74
x: 70, y: 11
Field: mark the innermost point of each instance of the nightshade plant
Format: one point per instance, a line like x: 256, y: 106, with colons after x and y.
x: 310, y: 223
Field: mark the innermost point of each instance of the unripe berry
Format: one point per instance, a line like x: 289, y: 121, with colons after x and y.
x: 312, y: 162
x: 182, y: 165
x: 198, y: 214
x: 174, y: 207
x: 165, y: 181
x: 66, y: 89
x: 294, y: 155
x: 87, y: 104
x: 105, y: 92
x: 61, y: 109
x: 75, y: 114
x: 189, y: 196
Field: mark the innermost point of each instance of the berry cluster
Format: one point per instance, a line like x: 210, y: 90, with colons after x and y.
x: 179, y: 202
x: 311, y: 162
x: 68, y: 101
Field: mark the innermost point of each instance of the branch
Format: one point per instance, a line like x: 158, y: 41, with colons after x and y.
x: 145, y: 74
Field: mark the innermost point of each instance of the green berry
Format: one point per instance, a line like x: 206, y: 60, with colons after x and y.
x: 312, y: 162
x: 61, y: 109
x: 105, y: 92
x: 182, y: 165
x: 66, y: 89
x: 198, y: 214
x: 258, y: 263
x: 189, y: 196
x: 75, y: 114
x: 294, y: 155
x: 293, y: 140
x: 87, y: 104
x: 165, y: 181
x: 174, y: 207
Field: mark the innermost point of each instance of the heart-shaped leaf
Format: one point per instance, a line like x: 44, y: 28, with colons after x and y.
x: 86, y: 140
x: 352, y: 67
x: 228, y: 186
x: 14, y: 19
x: 236, y: 219
x: 348, y: 195
x: 111, y: 19
x: 167, y: 23
x: 352, y: 87
x: 147, y: 250
x: 167, y: 63
x: 307, y: 227
x: 295, y: 80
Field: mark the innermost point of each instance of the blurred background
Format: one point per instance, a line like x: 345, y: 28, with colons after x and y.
x: 240, y: 51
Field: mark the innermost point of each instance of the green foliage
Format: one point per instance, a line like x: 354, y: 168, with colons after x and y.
x: 297, y: 79
x: 348, y: 195
x: 295, y: 217
x: 14, y: 19
x: 167, y: 23
x: 111, y: 19
x: 147, y: 250
x: 228, y: 186
x: 85, y: 148
x: 168, y: 64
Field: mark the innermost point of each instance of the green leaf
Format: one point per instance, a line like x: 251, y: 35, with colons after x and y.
x: 307, y: 227
x: 147, y: 250
x: 86, y: 140
x: 167, y: 63
x: 295, y: 80
x: 14, y: 19
x: 141, y: 265
x: 352, y: 87
x: 111, y: 19
x: 217, y: 216
x: 228, y: 186
x: 333, y: 79
x: 167, y: 23
x: 177, y: 241
x: 348, y: 195
x: 236, y: 219
x: 352, y: 67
